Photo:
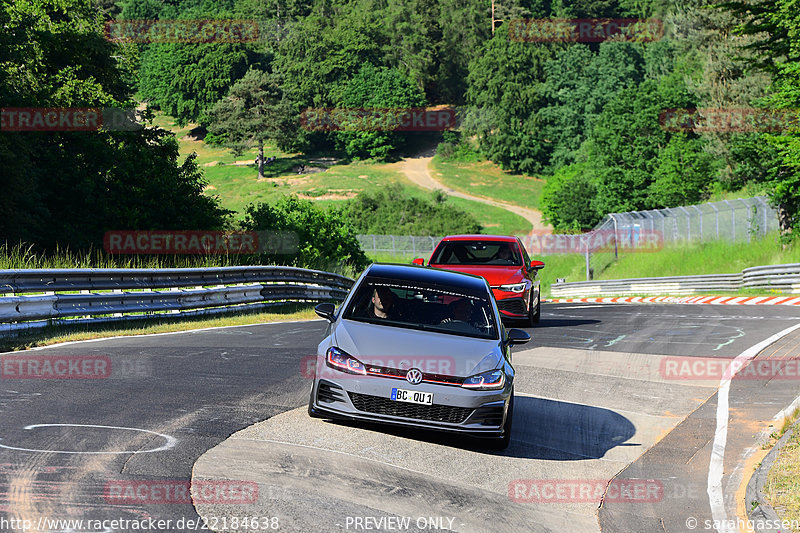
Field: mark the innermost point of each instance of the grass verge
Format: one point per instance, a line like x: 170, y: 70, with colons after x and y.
x: 719, y: 257
x: 234, y: 180
x: 488, y: 180
x: 59, y: 334
x: 782, y: 489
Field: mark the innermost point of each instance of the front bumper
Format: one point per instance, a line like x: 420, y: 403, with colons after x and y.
x: 454, y: 409
x: 514, y: 307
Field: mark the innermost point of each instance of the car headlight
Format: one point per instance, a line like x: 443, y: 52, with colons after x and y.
x: 341, y: 360
x: 494, y: 379
x: 514, y: 287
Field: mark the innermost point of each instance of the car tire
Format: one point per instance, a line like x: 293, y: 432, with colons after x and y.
x: 534, y: 315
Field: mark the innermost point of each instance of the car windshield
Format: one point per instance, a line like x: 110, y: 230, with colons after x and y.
x: 477, y: 253
x: 444, y: 310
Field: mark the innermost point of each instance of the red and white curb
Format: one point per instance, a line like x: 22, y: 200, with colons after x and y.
x: 711, y: 300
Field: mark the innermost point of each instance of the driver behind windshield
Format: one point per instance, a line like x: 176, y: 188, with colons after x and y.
x: 505, y: 256
x: 461, y: 311
x: 382, y: 304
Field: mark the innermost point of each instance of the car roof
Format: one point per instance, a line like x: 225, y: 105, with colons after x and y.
x: 485, y: 238
x: 430, y: 276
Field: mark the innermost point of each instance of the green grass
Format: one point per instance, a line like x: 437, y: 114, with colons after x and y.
x: 59, y: 334
x: 706, y: 258
x: 488, y: 180
x: 24, y: 256
x: 237, y: 186
x: 719, y: 257
x: 782, y: 489
x: 568, y: 266
x: 748, y: 191
x: 494, y: 220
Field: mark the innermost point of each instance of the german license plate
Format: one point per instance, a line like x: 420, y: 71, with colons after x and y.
x: 412, y: 396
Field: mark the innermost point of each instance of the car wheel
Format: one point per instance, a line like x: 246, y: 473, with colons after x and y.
x: 534, y: 314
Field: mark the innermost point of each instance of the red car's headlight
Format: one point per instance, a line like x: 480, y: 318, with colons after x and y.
x: 514, y: 287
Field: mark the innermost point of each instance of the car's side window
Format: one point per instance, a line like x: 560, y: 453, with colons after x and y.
x: 525, y: 258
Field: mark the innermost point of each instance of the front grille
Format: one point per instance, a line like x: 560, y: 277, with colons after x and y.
x: 385, y: 406
x: 512, y: 305
x: 329, y: 393
x: 400, y: 373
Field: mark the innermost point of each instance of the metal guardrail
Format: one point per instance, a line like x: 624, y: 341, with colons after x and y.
x: 38, y: 298
x: 785, y: 278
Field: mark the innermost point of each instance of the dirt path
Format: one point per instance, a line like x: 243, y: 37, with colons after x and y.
x: 417, y: 170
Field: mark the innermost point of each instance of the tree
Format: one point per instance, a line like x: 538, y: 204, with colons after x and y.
x: 392, y: 211
x: 775, y: 26
x: 684, y: 173
x: 505, y: 88
x: 375, y: 88
x: 568, y: 199
x: 253, y: 111
x: 67, y: 189
x: 186, y: 79
x: 626, y: 141
x: 578, y: 84
x: 326, y: 239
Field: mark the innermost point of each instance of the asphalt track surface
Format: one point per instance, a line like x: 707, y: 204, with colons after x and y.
x: 593, y: 405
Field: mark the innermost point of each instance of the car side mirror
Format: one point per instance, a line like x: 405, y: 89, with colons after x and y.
x: 537, y: 265
x: 325, y: 310
x: 517, y: 336
x: 419, y: 261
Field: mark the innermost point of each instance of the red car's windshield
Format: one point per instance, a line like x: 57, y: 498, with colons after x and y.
x: 477, y: 253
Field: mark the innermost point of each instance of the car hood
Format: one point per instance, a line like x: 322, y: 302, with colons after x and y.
x: 495, y: 274
x: 435, y: 353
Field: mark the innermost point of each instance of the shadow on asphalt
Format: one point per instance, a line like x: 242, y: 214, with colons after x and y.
x: 542, y: 429
x: 562, y: 431
x: 557, y: 323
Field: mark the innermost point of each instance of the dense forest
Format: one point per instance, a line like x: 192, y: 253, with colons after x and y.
x: 586, y: 116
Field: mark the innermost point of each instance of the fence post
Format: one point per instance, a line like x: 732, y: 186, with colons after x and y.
x: 733, y: 220
x: 716, y: 218
x: 701, y: 222
x: 688, y: 224
x: 616, y: 254
x: 588, y: 276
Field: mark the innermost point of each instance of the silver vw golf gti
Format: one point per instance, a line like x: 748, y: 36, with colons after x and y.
x: 418, y: 347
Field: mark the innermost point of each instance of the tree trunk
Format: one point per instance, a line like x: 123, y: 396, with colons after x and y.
x: 261, y: 160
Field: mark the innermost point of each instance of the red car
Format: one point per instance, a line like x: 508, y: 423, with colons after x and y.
x: 505, y: 264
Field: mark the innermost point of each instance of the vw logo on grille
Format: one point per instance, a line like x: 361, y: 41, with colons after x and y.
x: 414, y: 376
